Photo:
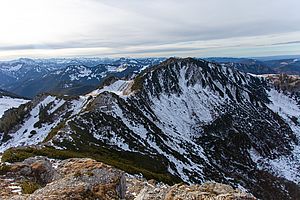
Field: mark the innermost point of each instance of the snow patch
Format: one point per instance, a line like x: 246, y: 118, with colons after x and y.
x: 8, y: 102
x: 120, y: 87
x: 285, y: 166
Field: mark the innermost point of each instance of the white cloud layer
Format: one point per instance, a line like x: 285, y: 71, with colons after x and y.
x: 58, y: 28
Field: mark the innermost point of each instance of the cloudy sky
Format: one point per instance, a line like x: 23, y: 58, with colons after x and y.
x: 138, y: 28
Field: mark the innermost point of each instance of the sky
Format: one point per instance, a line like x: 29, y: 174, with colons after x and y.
x: 144, y: 28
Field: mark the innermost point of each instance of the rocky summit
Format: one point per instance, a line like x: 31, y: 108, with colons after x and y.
x: 83, y: 178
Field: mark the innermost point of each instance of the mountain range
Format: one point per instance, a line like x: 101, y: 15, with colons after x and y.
x: 28, y: 77
x: 262, y: 66
x: 182, y: 119
x: 78, y: 76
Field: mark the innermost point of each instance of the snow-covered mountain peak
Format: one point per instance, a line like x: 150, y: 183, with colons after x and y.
x: 177, y: 76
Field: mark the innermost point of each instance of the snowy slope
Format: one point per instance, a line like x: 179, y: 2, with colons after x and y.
x: 201, y: 121
x: 34, y: 130
x: 207, y: 121
x: 119, y: 87
x: 9, y: 102
x: 289, y: 109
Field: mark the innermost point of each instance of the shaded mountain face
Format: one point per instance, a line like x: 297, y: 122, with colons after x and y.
x: 253, y: 68
x: 286, y: 66
x: 9, y: 94
x: 246, y: 65
x: 28, y: 77
x: 192, y: 119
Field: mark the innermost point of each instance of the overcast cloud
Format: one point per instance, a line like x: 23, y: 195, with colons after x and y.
x: 137, y: 28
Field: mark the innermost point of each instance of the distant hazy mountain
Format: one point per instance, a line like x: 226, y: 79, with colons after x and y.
x: 255, y: 66
x: 77, y: 76
x: 27, y: 77
x: 280, y: 57
x: 286, y: 66
x: 245, y: 65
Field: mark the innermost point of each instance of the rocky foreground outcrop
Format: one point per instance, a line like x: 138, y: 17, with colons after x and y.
x: 83, y: 178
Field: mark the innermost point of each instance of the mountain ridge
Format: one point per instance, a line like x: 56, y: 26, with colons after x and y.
x: 202, y: 120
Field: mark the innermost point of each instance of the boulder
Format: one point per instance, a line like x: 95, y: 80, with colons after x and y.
x: 84, y: 179
x: 70, y: 179
x: 87, y: 179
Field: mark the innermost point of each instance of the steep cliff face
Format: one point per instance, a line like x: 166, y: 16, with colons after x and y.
x: 195, y: 120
